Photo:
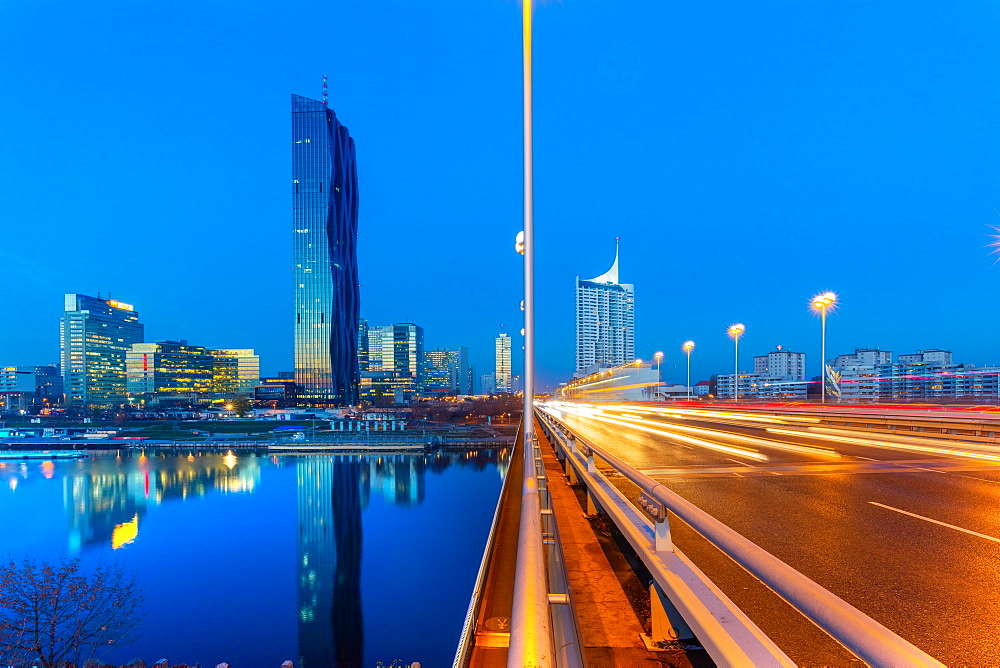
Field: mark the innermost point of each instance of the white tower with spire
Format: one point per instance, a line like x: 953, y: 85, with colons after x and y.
x: 605, y: 320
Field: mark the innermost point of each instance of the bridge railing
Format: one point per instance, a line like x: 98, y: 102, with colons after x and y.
x: 690, y: 598
x: 543, y: 620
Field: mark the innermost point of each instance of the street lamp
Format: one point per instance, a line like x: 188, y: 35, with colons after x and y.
x: 823, y: 302
x: 659, y: 379
x: 687, y: 347
x: 736, y: 331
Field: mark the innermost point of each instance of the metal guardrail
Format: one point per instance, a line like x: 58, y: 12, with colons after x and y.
x: 543, y: 620
x: 729, y: 641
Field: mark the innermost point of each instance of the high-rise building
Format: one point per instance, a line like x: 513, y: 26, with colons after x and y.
x: 325, y: 264
x: 488, y: 383
x: 502, y: 373
x: 395, y: 363
x: 605, y: 320
x: 446, y: 371
x: 95, y: 336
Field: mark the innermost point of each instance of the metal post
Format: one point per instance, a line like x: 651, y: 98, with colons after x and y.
x: 530, y: 640
x: 822, y: 355
x: 689, y: 375
x: 529, y: 233
x: 736, y: 371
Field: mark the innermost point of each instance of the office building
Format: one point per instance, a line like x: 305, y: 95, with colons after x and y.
x: 95, y: 335
x: 605, y: 320
x: 173, y: 368
x: 325, y: 264
x: 502, y: 371
x: 395, y: 372
x: 237, y: 370
x: 446, y: 371
x: 487, y: 384
x: 34, y: 386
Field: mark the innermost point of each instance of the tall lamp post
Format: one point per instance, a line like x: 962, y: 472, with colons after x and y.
x: 736, y: 331
x: 823, y: 302
x: 659, y: 378
x: 687, y: 347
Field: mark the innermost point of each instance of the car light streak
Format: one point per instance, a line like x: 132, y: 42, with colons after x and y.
x: 751, y: 440
x: 891, y: 446
x: 733, y: 450
x: 899, y: 438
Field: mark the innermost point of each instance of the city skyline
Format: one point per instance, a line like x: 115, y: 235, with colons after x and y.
x: 797, y: 167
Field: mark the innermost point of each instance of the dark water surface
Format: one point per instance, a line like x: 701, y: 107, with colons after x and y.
x: 254, y: 559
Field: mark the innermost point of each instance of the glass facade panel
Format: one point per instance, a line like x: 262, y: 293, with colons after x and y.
x: 325, y: 268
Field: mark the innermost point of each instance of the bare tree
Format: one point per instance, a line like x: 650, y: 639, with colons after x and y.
x: 53, y: 612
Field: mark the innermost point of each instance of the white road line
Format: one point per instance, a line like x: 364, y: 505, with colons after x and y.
x: 738, y: 475
x: 739, y: 462
x: 944, y: 524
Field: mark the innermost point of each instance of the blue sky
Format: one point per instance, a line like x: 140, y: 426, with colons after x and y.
x: 747, y: 154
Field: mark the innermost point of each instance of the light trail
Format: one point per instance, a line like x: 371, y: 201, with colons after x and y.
x: 733, y: 450
x: 887, y: 445
x: 751, y: 440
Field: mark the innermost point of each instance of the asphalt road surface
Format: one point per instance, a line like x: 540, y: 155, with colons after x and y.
x: 905, y: 528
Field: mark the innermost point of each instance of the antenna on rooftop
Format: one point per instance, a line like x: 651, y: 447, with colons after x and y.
x: 324, y: 90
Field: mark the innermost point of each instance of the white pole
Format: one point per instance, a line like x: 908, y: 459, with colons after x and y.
x: 822, y: 361
x: 689, y: 375
x: 529, y: 234
x: 530, y: 641
x: 736, y: 370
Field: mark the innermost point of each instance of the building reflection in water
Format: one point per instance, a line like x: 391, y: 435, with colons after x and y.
x: 106, y: 497
x: 332, y: 493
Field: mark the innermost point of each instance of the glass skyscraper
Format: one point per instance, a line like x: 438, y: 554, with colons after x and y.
x: 325, y: 265
x: 95, y: 335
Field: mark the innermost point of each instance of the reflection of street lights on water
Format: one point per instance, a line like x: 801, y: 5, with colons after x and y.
x: 687, y: 347
x: 823, y: 302
x: 736, y: 331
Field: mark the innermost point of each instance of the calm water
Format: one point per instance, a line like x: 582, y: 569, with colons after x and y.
x: 252, y: 559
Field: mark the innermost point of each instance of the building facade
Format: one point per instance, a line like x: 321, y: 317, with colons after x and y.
x: 95, y: 336
x: 783, y: 364
x: 446, y: 371
x: 237, y: 370
x: 503, y: 378
x: 395, y: 372
x: 325, y: 264
x: 605, y: 320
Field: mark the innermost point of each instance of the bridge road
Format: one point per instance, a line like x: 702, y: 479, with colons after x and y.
x: 910, y: 537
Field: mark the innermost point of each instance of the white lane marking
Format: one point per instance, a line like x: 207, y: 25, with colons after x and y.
x: 740, y: 463
x: 944, y: 524
x: 774, y: 473
x: 738, y: 475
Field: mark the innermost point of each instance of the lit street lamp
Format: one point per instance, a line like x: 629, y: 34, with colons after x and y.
x: 824, y: 302
x: 659, y: 379
x: 736, y: 331
x: 687, y: 347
